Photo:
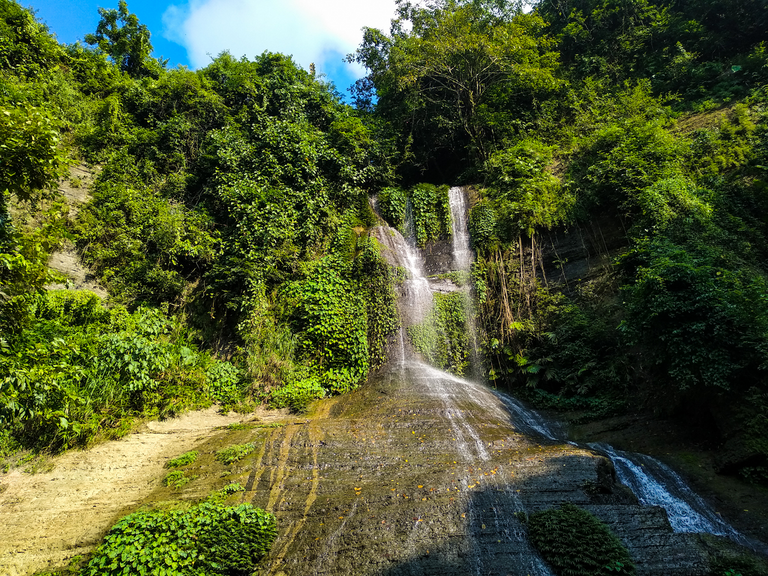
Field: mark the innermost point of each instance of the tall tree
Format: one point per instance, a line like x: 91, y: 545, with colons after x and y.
x: 120, y: 35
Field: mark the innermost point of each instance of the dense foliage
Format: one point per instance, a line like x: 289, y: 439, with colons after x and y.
x: 229, y: 218
x: 206, y: 539
x: 225, y: 221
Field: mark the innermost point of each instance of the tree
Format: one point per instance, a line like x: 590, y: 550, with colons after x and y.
x: 439, y: 80
x: 120, y: 35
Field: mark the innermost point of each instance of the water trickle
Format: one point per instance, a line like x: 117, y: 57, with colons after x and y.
x: 417, y: 300
x: 528, y: 421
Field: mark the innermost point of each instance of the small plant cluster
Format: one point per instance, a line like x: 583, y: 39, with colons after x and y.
x: 183, y: 460
x: 207, y: 539
x: 177, y: 479
x: 575, y: 543
x: 234, y: 453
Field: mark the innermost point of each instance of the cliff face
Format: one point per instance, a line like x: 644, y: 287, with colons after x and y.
x: 581, y: 252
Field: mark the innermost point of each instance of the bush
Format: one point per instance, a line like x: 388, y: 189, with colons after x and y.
x: 298, y: 394
x: 225, y: 381
x: 207, y: 539
x: 575, y: 543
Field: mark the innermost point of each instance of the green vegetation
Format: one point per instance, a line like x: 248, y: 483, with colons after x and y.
x: 205, y: 539
x: 234, y: 453
x: 442, y: 338
x: 424, y: 205
x: 227, y: 235
x: 177, y: 479
x: 183, y: 460
x: 229, y: 220
x: 575, y: 543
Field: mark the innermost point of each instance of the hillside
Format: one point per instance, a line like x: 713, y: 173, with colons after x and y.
x: 171, y: 239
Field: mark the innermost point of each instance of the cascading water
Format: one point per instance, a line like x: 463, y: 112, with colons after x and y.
x: 462, y: 262
x: 462, y: 253
x: 459, y: 397
x: 492, y: 472
x: 652, y: 482
x: 655, y: 484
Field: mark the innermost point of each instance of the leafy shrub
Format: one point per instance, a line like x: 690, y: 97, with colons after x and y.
x: 298, y: 394
x: 618, y: 161
x: 225, y: 381
x: 392, y: 205
x: 431, y: 212
x: 234, y: 453
x: 177, y: 479
x: 331, y: 323
x: 206, y: 539
x: 29, y: 154
x: 376, y: 280
x: 482, y: 225
x: 575, y: 543
x: 80, y: 368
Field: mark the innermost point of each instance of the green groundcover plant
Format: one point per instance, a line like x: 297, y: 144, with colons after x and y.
x: 208, y: 539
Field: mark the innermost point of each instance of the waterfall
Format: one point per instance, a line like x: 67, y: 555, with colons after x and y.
x: 462, y: 254
x: 653, y: 483
x: 462, y: 262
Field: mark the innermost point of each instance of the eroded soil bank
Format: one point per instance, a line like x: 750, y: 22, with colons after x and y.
x: 48, y: 518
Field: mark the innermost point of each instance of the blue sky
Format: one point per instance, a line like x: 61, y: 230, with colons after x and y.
x: 190, y: 32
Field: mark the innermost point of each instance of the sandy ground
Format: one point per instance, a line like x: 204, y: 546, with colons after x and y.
x: 48, y: 518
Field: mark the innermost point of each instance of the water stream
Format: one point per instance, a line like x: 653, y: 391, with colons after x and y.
x: 653, y: 483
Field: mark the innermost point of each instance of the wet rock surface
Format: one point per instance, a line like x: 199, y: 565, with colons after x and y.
x: 423, y: 474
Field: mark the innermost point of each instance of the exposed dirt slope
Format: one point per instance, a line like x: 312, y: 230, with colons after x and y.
x: 48, y: 518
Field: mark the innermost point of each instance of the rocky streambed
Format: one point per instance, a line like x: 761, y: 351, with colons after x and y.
x: 423, y: 473
x: 418, y: 472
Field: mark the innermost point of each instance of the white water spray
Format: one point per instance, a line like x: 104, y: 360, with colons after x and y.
x: 462, y: 253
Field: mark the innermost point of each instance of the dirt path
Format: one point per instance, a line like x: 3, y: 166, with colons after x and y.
x: 48, y: 518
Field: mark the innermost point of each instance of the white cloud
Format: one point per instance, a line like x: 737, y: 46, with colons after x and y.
x: 310, y: 31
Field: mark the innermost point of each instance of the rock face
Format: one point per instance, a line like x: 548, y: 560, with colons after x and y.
x: 581, y: 252
x: 65, y: 260
x: 422, y: 473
